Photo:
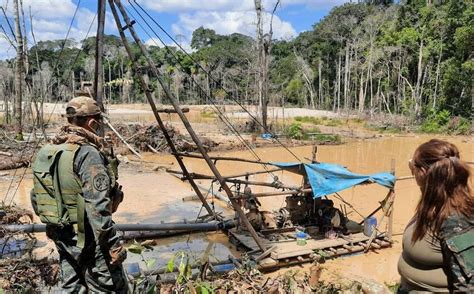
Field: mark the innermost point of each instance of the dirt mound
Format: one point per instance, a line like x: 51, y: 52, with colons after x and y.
x: 149, y: 137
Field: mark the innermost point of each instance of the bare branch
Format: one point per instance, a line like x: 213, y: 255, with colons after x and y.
x: 271, y: 19
x: 8, y: 21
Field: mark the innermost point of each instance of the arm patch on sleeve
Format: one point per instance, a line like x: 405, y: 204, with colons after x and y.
x: 101, y: 182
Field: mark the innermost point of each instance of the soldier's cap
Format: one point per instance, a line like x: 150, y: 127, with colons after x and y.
x: 83, y: 106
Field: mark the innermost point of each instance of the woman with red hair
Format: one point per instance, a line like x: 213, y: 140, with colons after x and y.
x: 438, y: 243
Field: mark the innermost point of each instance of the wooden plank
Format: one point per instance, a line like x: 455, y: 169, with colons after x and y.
x: 265, y: 254
x: 289, y: 249
x: 284, y: 255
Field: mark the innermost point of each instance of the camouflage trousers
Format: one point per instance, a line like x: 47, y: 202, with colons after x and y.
x: 86, y: 270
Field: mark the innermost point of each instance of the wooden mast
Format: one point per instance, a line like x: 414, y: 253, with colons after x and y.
x: 146, y: 90
x: 99, y: 51
x: 183, y: 118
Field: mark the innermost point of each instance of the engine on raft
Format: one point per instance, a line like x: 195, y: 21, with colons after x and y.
x: 315, y: 216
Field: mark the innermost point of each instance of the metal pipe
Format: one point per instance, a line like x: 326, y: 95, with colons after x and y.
x: 40, y: 228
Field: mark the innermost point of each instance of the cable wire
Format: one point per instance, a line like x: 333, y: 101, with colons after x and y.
x: 47, y: 86
x: 70, y: 67
x: 221, y: 115
x: 212, y: 78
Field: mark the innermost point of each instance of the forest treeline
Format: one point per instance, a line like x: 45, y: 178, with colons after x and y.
x: 410, y: 58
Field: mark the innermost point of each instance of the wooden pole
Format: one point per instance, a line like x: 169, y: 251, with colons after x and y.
x: 392, y: 199
x: 216, y: 158
x: 99, y: 51
x: 183, y: 118
x: 167, y: 110
x: 155, y: 110
x: 197, y: 176
x: 276, y: 185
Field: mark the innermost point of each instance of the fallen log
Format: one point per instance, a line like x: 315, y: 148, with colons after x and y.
x: 9, y: 154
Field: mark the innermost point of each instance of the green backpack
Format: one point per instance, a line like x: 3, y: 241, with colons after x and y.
x: 56, y: 196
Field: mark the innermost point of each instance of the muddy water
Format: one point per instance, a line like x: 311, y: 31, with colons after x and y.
x: 157, y: 196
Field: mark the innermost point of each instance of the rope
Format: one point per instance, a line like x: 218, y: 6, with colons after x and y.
x: 70, y: 66
x: 212, y: 78
x: 221, y: 115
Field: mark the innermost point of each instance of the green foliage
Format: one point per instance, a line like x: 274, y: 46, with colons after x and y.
x: 135, y: 248
x: 308, y: 119
x: 327, y: 138
x: 295, y: 92
x: 443, y: 122
x: 324, y: 121
x: 294, y: 131
x: 382, y: 38
x: 393, y: 287
x: 436, y: 122
x: 384, y: 128
x: 204, y: 288
x: 206, y: 113
x: 333, y: 122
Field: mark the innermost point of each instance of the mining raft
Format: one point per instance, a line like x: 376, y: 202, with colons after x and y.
x: 310, y: 225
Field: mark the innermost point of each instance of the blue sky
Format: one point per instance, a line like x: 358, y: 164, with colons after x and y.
x: 51, y: 18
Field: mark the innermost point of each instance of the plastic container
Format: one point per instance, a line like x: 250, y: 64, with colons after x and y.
x: 301, y: 238
x: 370, y: 224
x: 223, y: 268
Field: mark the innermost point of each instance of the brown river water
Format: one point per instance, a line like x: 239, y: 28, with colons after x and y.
x: 155, y: 196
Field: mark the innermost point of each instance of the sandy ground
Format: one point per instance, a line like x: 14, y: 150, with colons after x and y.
x: 153, y: 196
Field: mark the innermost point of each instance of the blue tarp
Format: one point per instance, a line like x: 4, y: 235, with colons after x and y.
x: 328, y: 178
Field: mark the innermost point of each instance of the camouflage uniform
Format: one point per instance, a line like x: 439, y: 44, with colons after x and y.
x: 75, y: 195
x: 457, y: 242
x: 89, y: 268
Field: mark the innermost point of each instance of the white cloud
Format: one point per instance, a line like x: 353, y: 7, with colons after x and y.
x: 51, y: 20
x: 48, y: 8
x: 231, y: 16
x: 195, y: 5
x: 153, y: 42
x: 232, y: 22
x: 229, y: 5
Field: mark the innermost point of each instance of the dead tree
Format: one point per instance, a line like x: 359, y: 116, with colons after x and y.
x: 18, y: 73
x: 264, y: 44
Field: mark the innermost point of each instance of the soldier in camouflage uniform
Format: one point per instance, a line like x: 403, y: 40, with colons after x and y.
x: 75, y: 193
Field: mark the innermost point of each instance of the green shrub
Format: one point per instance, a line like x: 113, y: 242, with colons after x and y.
x: 326, y: 138
x: 295, y: 131
x: 443, y: 122
x: 357, y: 120
x: 459, y: 126
x: 308, y: 119
x: 208, y: 114
x: 333, y: 122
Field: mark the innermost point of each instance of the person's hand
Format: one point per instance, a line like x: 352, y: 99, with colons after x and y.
x: 117, y: 255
